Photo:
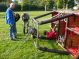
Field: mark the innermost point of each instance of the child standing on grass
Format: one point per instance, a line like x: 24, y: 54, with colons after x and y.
x: 11, y: 21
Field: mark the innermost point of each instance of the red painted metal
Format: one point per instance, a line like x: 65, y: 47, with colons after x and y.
x: 72, y: 38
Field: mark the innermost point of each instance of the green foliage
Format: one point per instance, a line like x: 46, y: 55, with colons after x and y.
x: 0, y: 0
x: 31, y: 5
x: 3, y: 7
x: 28, y: 7
x: 71, y: 3
x: 26, y: 2
x: 16, y: 2
x: 59, y: 3
x: 42, y: 4
x: 51, y: 4
x: 18, y: 7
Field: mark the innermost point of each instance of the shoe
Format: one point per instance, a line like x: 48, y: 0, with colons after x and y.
x: 34, y: 36
x: 13, y: 38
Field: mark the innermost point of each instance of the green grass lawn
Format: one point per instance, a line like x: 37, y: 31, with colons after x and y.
x: 23, y: 48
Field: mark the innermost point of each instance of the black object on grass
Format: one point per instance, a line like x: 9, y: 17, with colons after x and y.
x: 17, y: 17
x: 25, y: 18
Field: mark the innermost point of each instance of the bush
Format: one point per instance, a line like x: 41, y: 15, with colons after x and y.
x: 18, y: 7
x: 32, y: 7
x: 26, y: 7
x: 71, y: 4
x: 3, y: 7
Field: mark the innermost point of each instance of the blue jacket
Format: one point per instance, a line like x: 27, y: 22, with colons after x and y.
x: 10, y: 17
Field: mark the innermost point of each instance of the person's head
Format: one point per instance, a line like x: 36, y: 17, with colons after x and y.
x: 12, y: 5
x: 25, y: 17
x: 52, y: 25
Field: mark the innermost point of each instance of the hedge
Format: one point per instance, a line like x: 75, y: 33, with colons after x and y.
x: 3, y: 7
x: 32, y: 7
x: 26, y: 7
x: 18, y: 7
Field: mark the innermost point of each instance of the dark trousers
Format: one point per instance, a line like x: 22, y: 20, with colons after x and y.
x: 13, y: 31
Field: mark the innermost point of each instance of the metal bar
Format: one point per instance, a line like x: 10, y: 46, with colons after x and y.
x: 73, y: 31
x: 66, y: 32
x: 43, y: 15
x: 34, y: 20
x: 45, y: 49
x: 52, y: 20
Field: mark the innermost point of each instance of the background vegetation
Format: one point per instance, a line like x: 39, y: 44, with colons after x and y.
x: 23, y: 5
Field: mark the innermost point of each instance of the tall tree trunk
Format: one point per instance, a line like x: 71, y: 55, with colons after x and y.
x: 45, y: 7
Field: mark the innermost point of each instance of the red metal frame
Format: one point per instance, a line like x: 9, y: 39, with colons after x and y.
x: 72, y: 34
x: 66, y: 28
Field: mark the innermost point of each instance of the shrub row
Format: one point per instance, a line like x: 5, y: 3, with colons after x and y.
x: 3, y: 7
x: 32, y: 7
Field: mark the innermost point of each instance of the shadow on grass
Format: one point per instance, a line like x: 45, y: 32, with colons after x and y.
x: 53, y: 44
x: 50, y: 42
x: 22, y: 37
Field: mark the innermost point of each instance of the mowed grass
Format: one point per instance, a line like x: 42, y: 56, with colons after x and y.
x: 23, y: 47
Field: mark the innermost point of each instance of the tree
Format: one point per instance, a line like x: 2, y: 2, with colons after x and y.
x: 3, y: 1
x: 0, y: 1
x: 51, y: 4
x: 71, y: 3
x: 44, y: 3
x: 59, y: 3
x: 26, y: 2
x: 8, y: 1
